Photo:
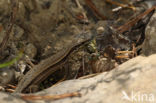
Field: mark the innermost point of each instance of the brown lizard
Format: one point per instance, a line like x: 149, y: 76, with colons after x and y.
x: 46, y: 67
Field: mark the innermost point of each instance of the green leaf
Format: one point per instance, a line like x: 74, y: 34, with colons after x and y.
x: 12, y: 61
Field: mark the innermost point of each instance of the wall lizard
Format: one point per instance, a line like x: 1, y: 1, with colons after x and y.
x: 46, y: 67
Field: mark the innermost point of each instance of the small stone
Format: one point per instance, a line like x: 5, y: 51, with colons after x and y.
x: 1, y: 88
x: 18, y: 32
x: 22, y: 66
x: 103, y: 64
x: 7, y: 75
x: 31, y: 50
x: 100, y: 30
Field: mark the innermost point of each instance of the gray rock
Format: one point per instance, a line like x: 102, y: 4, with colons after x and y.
x: 133, y: 80
x: 7, y: 98
x: 149, y: 45
x: 7, y: 75
x: 18, y: 32
x: 31, y: 50
x: 134, y: 77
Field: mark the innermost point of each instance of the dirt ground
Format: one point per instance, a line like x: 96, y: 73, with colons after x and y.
x: 41, y: 28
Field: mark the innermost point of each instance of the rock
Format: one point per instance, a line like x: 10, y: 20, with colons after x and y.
x: 130, y: 82
x: 6, y: 98
x: 135, y: 76
x: 100, y: 30
x: 103, y: 64
x: 18, y: 32
x: 7, y: 75
x: 149, y: 45
x: 31, y: 50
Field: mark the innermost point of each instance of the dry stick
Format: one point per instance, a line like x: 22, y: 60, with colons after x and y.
x: 85, y: 19
x: 89, y: 76
x: 122, y: 57
x: 28, y: 61
x: 121, y: 5
x: 11, y: 86
x: 78, y: 4
x: 116, y: 3
x: 50, y: 97
x: 1, y: 28
x: 134, y: 50
x: 95, y: 10
x: 12, y: 21
x: 123, y: 52
x: 131, y: 23
x: 80, y: 7
x: 10, y: 90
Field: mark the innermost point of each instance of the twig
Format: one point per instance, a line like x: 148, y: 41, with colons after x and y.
x: 28, y: 60
x: 14, y: 4
x: 134, y: 50
x: 10, y: 90
x: 50, y: 97
x: 123, y: 52
x: 89, y: 76
x: 120, y: 54
x: 1, y: 28
x: 11, y: 86
x: 131, y: 23
x: 122, y: 5
x: 122, y: 57
x: 94, y: 9
x: 80, y: 7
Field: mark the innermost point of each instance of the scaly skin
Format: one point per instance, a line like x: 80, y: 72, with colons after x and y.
x: 46, y: 67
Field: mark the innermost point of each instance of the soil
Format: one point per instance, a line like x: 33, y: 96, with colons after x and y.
x: 41, y: 28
